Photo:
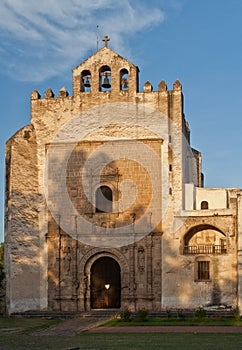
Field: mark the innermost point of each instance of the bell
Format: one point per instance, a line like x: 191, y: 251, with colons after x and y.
x: 87, y: 83
x: 124, y: 83
x: 106, y: 84
x: 125, y: 86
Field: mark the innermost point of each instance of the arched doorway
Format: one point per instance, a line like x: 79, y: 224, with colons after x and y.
x: 105, y: 284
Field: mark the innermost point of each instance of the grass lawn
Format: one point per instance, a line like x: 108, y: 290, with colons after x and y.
x: 25, y: 324
x: 226, y: 321
x: 18, y: 333
x: 171, y: 341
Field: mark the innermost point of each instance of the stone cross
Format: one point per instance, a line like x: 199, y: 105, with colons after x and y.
x: 106, y: 40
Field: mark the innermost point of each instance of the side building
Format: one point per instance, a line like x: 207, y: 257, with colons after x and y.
x: 105, y: 204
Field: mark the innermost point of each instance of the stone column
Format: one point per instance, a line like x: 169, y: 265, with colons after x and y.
x: 149, y: 244
x: 132, y: 283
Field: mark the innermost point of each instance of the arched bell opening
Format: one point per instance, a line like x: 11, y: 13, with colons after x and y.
x: 105, y: 78
x: 124, y: 79
x: 86, y: 81
x: 105, y: 284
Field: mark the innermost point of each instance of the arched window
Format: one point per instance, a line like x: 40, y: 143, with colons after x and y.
x: 104, y: 200
x: 204, y: 205
x: 105, y: 79
x: 86, y: 81
x: 124, y: 79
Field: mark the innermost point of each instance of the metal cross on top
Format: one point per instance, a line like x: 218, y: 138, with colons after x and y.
x: 106, y: 40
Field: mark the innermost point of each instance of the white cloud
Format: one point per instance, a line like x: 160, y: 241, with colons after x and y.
x: 41, y: 39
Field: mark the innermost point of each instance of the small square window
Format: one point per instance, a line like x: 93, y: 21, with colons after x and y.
x: 203, y: 271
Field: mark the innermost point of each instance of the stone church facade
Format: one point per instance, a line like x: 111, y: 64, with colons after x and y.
x: 105, y: 204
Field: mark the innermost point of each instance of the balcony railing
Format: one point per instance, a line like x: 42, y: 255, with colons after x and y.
x: 205, y: 249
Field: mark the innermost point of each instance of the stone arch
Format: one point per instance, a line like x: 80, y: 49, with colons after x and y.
x: 89, y: 259
x: 95, y: 253
x: 124, y: 79
x: 86, y: 81
x: 105, y: 78
x: 204, y: 205
x: 204, y: 239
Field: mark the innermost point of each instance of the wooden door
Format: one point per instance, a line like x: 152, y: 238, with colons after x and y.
x: 105, y: 284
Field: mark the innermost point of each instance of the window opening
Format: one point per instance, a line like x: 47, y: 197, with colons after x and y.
x: 104, y: 200
x: 203, y: 270
x: 204, y: 205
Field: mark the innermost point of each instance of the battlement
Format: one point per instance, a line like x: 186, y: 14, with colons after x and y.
x: 147, y: 88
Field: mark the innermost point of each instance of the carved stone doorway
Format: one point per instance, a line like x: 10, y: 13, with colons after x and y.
x: 105, y: 284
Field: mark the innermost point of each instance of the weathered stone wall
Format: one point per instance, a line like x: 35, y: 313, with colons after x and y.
x: 180, y: 285
x: 22, y: 240
x: 239, y: 250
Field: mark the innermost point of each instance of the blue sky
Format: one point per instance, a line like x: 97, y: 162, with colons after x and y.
x: 197, y: 42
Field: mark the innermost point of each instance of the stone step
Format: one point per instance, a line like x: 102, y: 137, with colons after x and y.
x: 109, y: 313
x: 67, y: 314
x: 189, y: 313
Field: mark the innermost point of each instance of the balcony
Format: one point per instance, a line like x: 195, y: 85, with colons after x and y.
x: 205, y: 249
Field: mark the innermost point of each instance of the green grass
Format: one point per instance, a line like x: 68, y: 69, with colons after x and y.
x: 21, y: 325
x: 226, y: 321
x: 171, y: 341
x: 19, y: 334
